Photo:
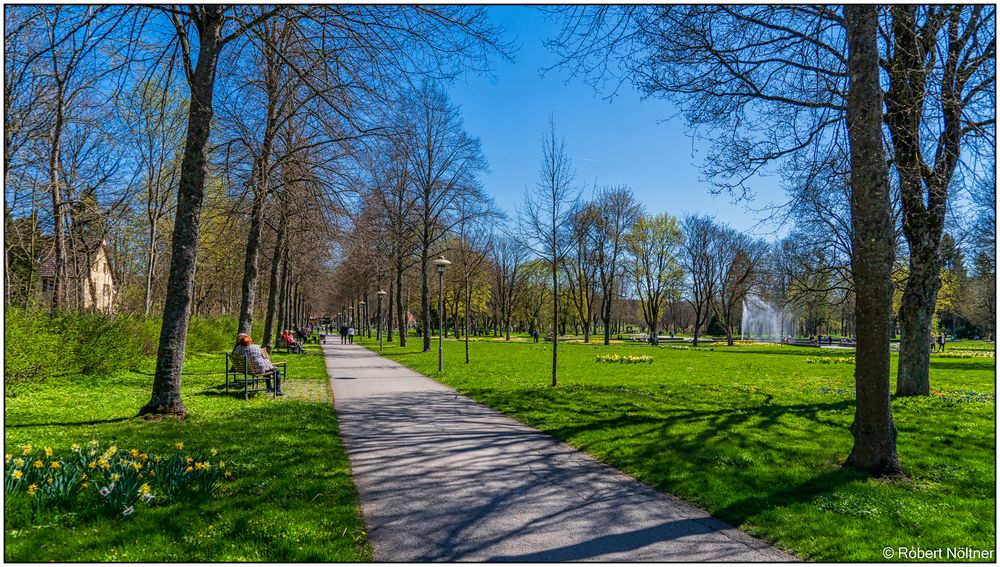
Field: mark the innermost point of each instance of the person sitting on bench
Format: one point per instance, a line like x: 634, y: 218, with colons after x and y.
x: 257, y: 361
x: 292, y: 343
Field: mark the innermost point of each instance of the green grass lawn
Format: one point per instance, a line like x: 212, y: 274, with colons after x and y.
x: 756, y: 435
x: 292, y: 498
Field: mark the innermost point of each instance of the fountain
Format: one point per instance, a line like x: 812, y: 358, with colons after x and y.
x: 762, y: 321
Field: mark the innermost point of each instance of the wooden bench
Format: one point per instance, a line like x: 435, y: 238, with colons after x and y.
x: 238, y: 374
x: 283, y: 344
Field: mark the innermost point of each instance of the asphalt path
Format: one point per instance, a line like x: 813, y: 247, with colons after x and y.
x: 443, y: 478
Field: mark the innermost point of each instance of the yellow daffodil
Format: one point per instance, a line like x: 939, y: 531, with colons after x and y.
x: 92, y: 465
x: 214, y: 451
x: 152, y: 474
x: 84, y: 485
x: 144, y: 489
x: 49, y: 480
x: 18, y: 462
x: 17, y: 474
x: 92, y: 443
x: 133, y: 452
x: 115, y: 477
x: 180, y: 445
x: 144, y: 456
x: 54, y: 464
x: 112, y: 449
x: 25, y: 449
x: 32, y: 489
x: 136, y: 465
x: 38, y: 464
x: 222, y: 464
x: 48, y: 451
x: 228, y: 474
x: 156, y: 459
x: 188, y: 460
x: 106, y: 466
x: 84, y: 477
x: 74, y: 447
x: 188, y: 469
x: 7, y: 457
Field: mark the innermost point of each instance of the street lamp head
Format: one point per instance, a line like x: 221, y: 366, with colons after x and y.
x: 441, y: 264
x: 381, y: 293
x: 361, y: 302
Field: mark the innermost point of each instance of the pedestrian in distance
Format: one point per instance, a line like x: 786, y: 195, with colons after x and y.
x: 343, y: 334
x: 350, y: 335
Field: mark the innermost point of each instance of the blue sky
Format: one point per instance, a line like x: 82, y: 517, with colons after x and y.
x: 627, y: 141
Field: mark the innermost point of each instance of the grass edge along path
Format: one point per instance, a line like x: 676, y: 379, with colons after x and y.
x: 292, y: 498
x: 756, y: 436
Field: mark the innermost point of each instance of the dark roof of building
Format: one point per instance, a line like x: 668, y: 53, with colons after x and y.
x: 47, y: 263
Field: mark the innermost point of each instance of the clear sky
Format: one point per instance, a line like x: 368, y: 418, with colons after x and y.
x: 626, y: 141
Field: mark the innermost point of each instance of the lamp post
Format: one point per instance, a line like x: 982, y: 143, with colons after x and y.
x: 350, y: 316
x: 363, y: 316
x: 380, y: 293
x: 441, y: 264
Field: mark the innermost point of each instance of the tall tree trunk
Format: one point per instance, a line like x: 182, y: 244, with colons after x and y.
x: 283, y: 292
x: 916, y: 315
x: 425, y: 300
x: 150, y: 268
x: 871, y: 219
x: 248, y: 291
x: 468, y: 301
x: 272, y: 290
x: 55, y: 160
x: 401, y: 318
x: 389, y: 312
x: 166, y: 398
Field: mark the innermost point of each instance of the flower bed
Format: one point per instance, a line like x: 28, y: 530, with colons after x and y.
x: 108, y: 479
x: 615, y: 358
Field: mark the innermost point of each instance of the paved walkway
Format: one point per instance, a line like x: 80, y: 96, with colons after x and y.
x: 444, y: 478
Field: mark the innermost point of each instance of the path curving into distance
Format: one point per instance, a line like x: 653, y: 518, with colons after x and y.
x: 444, y: 478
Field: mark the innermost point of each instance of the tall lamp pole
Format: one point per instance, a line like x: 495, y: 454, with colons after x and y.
x: 380, y: 293
x: 441, y: 264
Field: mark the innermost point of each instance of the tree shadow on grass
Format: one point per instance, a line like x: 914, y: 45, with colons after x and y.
x: 69, y: 423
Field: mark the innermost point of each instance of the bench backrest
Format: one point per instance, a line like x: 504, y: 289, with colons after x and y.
x: 281, y: 343
x: 239, y: 363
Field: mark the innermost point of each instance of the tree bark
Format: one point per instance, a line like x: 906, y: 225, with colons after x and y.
x: 59, y: 253
x: 166, y: 398
x: 425, y: 300
x: 272, y: 290
x: 248, y: 293
x: 873, y: 429
x: 400, y: 308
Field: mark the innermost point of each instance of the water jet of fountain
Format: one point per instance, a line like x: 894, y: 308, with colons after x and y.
x: 761, y: 320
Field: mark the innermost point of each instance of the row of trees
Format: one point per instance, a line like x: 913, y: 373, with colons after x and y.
x: 223, y: 135
x: 278, y: 123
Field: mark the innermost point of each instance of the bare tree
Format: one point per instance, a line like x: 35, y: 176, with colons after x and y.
x: 545, y: 216
x: 581, y: 265
x: 617, y: 212
x: 740, y: 259
x: 941, y: 63
x: 443, y: 162
x: 699, y: 261
x: 508, y: 258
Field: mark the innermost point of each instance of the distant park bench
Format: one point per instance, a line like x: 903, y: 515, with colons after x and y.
x: 238, y: 374
x: 283, y: 344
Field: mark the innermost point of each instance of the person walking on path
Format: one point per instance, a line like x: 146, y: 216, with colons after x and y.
x: 350, y: 335
x: 343, y: 334
x: 941, y: 341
